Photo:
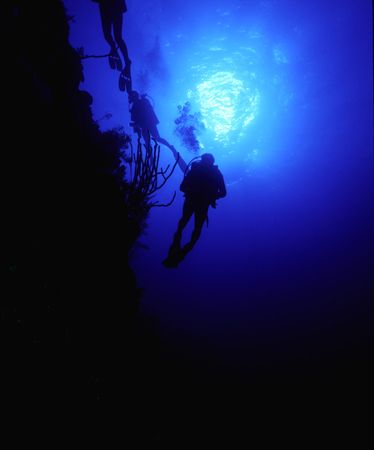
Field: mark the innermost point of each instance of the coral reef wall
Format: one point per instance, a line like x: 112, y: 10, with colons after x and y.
x: 67, y: 232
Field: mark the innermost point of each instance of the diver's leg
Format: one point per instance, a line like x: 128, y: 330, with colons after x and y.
x: 117, y: 29
x: 106, y: 24
x: 174, y: 254
x: 200, y: 216
x: 188, y: 210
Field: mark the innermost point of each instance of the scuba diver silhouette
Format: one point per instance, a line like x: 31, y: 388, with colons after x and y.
x: 111, y: 13
x: 144, y: 120
x: 203, y: 185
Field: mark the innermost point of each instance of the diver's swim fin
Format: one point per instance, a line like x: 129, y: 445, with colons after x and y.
x: 115, y: 61
x: 175, y: 256
x: 170, y: 263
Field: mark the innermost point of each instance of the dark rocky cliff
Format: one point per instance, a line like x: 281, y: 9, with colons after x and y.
x: 70, y: 296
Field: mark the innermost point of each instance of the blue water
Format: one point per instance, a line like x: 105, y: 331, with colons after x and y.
x: 285, y: 93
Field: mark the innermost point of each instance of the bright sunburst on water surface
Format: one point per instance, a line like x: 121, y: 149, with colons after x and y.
x: 227, y: 105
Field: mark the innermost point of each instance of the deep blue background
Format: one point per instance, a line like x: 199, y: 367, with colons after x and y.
x: 280, y: 281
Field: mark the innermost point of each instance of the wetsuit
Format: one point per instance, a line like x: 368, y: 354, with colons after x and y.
x: 144, y: 121
x: 144, y: 117
x: 202, y: 186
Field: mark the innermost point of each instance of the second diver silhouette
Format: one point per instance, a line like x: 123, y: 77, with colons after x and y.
x: 111, y: 14
x: 144, y: 120
x: 203, y: 185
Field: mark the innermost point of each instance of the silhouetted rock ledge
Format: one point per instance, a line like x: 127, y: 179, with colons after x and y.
x: 70, y: 296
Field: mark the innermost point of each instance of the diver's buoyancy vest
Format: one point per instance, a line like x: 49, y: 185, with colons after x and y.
x: 202, y: 182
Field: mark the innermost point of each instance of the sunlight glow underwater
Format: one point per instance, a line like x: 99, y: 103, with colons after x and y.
x: 224, y: 72
x: 227, y: 106
x: 236, y: 93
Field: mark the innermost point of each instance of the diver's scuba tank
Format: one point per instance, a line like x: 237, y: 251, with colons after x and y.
x: 190, y: 164
x: 201, y: 158
x: 149, y: 98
